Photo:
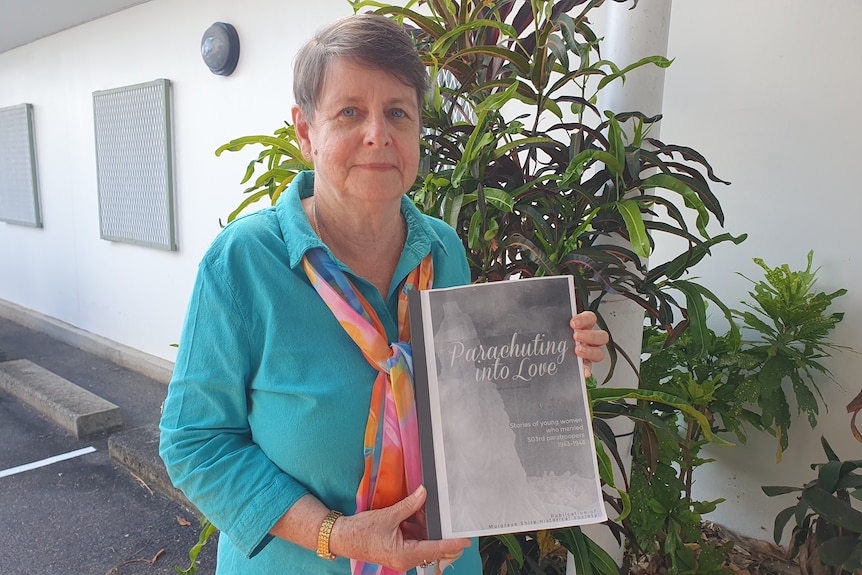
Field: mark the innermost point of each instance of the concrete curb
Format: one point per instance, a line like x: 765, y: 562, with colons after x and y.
x: 137, y: 450
x: 148, y: 365
x: 73, y: 408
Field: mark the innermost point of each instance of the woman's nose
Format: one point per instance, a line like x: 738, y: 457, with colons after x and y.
x: 377, y: 130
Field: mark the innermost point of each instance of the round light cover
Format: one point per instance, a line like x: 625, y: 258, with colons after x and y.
x: 220, y: 48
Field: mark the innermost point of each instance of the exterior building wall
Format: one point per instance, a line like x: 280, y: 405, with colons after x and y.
x: 767, y: 92
x: 130, y: 294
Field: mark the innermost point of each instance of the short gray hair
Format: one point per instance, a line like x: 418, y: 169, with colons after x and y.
x: 368, y: 39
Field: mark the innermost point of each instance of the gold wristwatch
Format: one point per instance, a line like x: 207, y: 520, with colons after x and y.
x: 324, y: 533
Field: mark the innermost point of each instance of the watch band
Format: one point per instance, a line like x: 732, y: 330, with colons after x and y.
x: 324, y: 533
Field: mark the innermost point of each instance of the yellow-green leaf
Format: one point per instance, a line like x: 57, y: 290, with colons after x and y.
x: 631, y: 213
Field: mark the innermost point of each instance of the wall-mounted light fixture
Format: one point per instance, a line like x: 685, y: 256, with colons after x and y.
x: 220, y: 48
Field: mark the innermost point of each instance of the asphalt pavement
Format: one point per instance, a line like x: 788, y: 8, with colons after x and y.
x: 87, y: 514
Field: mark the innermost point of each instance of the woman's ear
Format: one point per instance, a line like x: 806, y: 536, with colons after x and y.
x: 301, y: 126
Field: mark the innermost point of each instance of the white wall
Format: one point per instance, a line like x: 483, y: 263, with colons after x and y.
x: 131, y: 294
x: 769, y: 92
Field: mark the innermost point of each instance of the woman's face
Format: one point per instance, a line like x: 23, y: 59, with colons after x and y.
x: 364, y: 138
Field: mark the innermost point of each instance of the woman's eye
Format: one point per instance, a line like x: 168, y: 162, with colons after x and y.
x: 348, y: 112
x: 398, y: 113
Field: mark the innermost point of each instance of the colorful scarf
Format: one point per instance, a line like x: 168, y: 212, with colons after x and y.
x: 393, y: 468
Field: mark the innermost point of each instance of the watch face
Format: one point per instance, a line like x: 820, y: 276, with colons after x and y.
x: 220, y: 48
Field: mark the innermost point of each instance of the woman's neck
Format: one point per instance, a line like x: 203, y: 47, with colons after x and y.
x: 369, y: 243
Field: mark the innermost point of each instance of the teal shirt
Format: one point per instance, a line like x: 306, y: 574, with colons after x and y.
x: 269, y: 396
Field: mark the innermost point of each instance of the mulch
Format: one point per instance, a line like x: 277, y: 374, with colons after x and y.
x: 751, y: 556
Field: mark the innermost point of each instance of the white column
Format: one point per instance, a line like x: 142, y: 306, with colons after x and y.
x: 629, y: 36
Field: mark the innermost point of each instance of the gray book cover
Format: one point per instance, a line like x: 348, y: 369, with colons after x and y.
x: 504, y: 420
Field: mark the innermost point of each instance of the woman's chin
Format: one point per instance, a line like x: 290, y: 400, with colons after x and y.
x: 380, y: 186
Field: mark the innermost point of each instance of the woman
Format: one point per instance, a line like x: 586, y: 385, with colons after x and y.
x: 271, y: 398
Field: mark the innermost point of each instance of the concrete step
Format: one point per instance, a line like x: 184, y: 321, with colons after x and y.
x: 70, y: 406
x: 137, y: 450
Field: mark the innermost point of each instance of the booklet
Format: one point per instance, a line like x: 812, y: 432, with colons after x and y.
x: 504, y: 421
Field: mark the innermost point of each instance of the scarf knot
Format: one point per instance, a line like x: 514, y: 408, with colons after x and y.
x: 401, y: 354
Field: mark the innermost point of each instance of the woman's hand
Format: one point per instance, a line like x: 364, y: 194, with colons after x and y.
x: 590, y: 342
x: 391, y: 536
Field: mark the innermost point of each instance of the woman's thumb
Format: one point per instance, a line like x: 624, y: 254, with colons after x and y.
x: 408, y: 506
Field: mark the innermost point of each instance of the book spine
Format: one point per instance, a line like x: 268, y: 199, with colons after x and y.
x: 423, y: 414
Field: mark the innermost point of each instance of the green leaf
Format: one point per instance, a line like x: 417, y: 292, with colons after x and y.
x: 577, y: 164
x: 461, y: 170
x: 781, y: 521
x: 610, y: 161
x: 277, y: 174
x: 828, y: 476
x: 520, y: 144
x: 606, y: 469
x: 830, y: 453
x: 755, y: 322
x: 428, y: 25
x: 696, y: 311
x: 659, y: 61
x: 618, y: 393
x: 686, y: 260
x: 850, y: 480
x: 691, y: 199
x: 833, y: 509
x: 692, y: 155
x: 513, y: 546
x: 517, y: 60
x: 492, y: 227
x: 247, y: 202
x: 773, y: 490
x: 615, y: 139
x: 575, y: 542
x: 532, y: 251
x: 452, y: 209
x: 626, y: 501
x: 600, y: 560
x: 443, y: 43
x: 207, y: 529
x: 277, y: 143
x: 557, y: 45
x: 498, y: 100
x: 474, y: 231
x: 631, y: 213
x: 480, y: 136
x: 498, y: 198
x: 543, y: 62
x: 837, y: 551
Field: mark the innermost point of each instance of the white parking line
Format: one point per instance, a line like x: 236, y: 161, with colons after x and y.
x: 48, y: 461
